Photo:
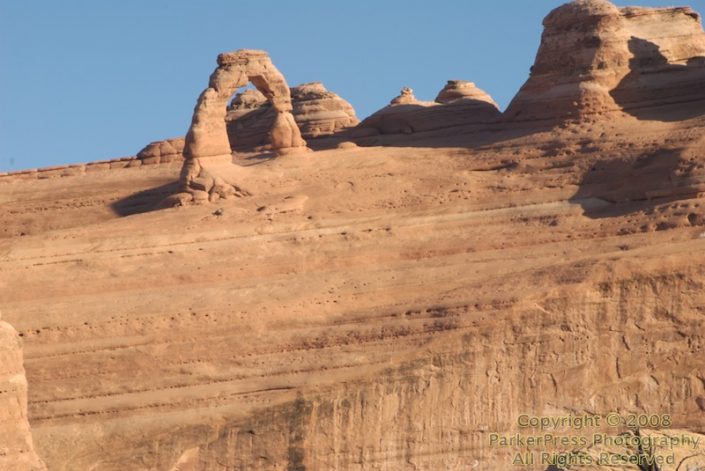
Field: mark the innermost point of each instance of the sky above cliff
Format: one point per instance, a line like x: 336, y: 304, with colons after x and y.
x: 87, y: 80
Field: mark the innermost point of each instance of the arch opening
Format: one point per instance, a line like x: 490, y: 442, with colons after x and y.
x: 207, y: 148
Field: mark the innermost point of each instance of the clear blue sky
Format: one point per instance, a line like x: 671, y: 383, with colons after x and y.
x: 96, y: 79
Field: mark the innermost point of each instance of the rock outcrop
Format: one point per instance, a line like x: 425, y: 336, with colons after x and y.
x: 317, y: 111
x: 459, y: 103
x: 381, y: 308
x: 462, y: 89
x: 406, y: 97
x: 666, y: 64
x: 16, y: 446
x: 595, y: 58
x: 167, y: 150
x: 320, y: 112
x: 207, y: 147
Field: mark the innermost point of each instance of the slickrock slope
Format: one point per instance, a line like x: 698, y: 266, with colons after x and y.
x: 383, y: 307
x: 595, y: 58
x: 459, y: 103
x: 16, y: 448
x: 368, y: 308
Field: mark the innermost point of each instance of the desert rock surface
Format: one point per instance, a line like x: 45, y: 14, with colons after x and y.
x: 16, y: 447
x: 386, y: 305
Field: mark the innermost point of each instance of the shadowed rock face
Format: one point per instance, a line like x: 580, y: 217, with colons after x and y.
x: 595, y: 58
x: 163, y: 151
x: 458, y: 103
x: 317, y: 112
x: 249, y: 119
x: 16, y: 447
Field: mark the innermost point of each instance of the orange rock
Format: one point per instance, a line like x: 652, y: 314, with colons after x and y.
x: 16, y: 445
x: 459, y: 103
x: 595, y: 58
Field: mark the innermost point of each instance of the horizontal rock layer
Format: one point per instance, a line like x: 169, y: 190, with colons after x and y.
x: 375, y: 307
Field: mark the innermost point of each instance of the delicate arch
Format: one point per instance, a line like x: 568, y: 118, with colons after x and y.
x: 207, y: 136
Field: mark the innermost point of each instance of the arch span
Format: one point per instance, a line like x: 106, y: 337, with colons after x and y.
x: 207, y: 145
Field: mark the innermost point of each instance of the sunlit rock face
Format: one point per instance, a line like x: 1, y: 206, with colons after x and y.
x: 16, y: 446
x: 459, y: 103
x: 389, y: 302
x: 595, y: 59
x: 207, y: 173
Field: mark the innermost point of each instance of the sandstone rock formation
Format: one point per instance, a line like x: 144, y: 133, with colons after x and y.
x: 16, y: 446
x: 167, y: 150
x: 317, y: 111
x: 405, y: 97
x: 384, y: 307
x: 250, y: 118
x: 595, y: 58
x: 320, y: 112
x: 459, y: 103
x: 462, y: 89
x: 207, y: 148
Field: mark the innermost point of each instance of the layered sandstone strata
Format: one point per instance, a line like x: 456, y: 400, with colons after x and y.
x: 167, y: 150
x: 16, y: 446
x: 381, y: 309
x: 595, y: 58
x: 249, y: 119
x: 317, y: 111
x: 459, y: 103
x: 462, y: 89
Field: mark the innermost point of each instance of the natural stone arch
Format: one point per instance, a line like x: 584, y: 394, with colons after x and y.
x: 207, y: 146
